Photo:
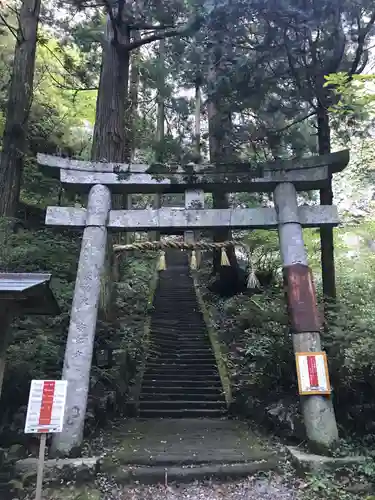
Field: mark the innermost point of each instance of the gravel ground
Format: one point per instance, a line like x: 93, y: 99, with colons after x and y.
x: 249, y: 489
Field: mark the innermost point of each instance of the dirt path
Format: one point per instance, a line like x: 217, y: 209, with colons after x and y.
x: 252, y: 488
x: 242, y: 490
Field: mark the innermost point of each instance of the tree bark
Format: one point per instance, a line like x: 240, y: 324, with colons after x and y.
x: 18, y: 108
x: 132, y: 107
x: 160, y: 131
x: 197, y: 124
x: 326, y: 198
x: 109, y: 130
x: 130, y: 134
x: 109, y: 133
x: 219, y: 125
x: 6, y: 318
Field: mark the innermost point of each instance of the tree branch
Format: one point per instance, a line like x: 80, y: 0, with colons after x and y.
x: 109, y: 11
x: 148, y: 26
x: 12, y: 29
x: 361, y: 43
x: 188, y: 28
x: 286, y: 127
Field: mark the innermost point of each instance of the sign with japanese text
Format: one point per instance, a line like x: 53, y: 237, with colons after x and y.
x: 312, y: 373
x: 45, y: 411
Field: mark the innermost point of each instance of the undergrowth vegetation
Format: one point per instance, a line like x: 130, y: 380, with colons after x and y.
x: 258, y: 346
x: 36, y: 350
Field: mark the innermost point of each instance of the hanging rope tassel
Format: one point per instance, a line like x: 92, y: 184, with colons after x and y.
x: 224, y: 258
x: 193, y: 261
x: 162, y: 264
x: 252, y: 281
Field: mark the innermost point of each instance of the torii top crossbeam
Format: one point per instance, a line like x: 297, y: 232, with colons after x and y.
x: 305, y: 173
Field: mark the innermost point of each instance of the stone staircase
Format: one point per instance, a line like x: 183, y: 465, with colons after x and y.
x: 181, y: 378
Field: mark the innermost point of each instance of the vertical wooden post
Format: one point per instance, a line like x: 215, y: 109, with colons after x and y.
x: 318, y: 413
x: 5, y: 319
x: 39, y: 477
x: 80, y: 342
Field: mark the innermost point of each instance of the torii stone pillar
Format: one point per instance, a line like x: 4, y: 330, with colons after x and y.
x: 317, y: 410
x: 80, y: 342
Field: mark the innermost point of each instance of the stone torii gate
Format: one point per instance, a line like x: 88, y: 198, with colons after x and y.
x: 100, y: 180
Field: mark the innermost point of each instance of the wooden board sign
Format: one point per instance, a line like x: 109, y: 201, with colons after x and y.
x: 312, y: 373
x: 45, y: 411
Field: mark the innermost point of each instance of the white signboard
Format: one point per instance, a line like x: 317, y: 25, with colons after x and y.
x: 312, y: 372
x: 45, y: 411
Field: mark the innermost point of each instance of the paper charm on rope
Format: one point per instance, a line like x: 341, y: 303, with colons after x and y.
x: 162, y: 264
x: 193, y: 261
x: 224, y: 258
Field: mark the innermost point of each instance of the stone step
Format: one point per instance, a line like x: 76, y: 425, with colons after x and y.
x: 183, y: 296
x: 182, y: 378
x: 175, y: 362
x: 182, y: 349
x: 192, y: 346
x: 181, y: 366
x: 181, y: 396
x: 171, y: 351
x: 198, y: 355
x: 181, y: 405
x: 184, y: 413
x: 181, y: 383
x: 186, y: 373
x: 180, y: 334
x: 182, y: 318
x: 189, y: 369
x: 177, y: 389
x: 182, y: 327
x: 203, y: 338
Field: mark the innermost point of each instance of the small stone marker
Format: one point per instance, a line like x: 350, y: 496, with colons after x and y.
x: 312, y: 372
x: 45, y: 414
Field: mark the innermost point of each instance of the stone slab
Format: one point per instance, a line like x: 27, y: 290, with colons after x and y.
x: 154, y: 475
x: 308, y: 462
x: 336, y: 162
x: 183, y: 219
x: 172, y: 442
x: 303, y: 179
x: 79, y: 469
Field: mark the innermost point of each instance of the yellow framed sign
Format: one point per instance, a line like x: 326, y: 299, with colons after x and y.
x: 312, y: 373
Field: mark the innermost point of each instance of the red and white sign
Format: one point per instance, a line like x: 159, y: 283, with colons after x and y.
x: 45, y: 411
x: 312, y: 372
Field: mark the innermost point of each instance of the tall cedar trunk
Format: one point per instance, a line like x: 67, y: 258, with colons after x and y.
x: 197, y: 125
x: 108, y: 141
x: 109, y: 132
x: 132, y: 106
x: 219, y: 125
x: 160, y: 132
x: 18, y: 108
x: 130, y: 129
x: 326, y: 198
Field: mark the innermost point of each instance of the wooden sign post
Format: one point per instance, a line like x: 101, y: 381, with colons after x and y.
x: 45, y: 414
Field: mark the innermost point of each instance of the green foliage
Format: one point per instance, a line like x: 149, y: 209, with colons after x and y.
x: 255, y: 330
x: 352, y: 90
x: 354, y: 105
x: 37, y: 347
